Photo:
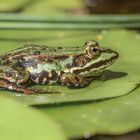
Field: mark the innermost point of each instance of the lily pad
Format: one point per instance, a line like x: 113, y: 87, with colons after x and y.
x: 117, y: 75
x: 21, y: 122
x: 113, y: 116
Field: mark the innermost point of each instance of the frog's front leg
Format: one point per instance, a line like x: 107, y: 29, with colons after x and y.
x: 73, y: 80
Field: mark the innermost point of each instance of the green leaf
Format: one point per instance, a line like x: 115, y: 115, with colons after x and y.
x: 8, y: 6
x: 52, y: 7
x: 21, y: 122
x: 113, y: 117
x: 121, y: 77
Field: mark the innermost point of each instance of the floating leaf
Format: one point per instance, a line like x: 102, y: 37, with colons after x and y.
x: 114, y: 116
x: 21, y: 122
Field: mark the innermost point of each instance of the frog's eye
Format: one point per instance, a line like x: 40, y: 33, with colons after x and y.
x: 92, y: 49
x: 91, y: 42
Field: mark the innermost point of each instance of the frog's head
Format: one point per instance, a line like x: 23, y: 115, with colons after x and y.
x: 95, y: 59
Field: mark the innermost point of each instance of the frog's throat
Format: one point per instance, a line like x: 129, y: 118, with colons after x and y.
x: 97, y: 65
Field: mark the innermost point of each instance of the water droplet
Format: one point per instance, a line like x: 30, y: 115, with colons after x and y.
x: 83, y: 115
x: 19, y: 95
x: 114, y: 110
x: 99, y: 111
x: 104, y: 32
x: 137, y: 36
x: 87, y: 135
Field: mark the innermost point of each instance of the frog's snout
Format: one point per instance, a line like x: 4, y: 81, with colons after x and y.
x: 114, y: 57
x: 113, y: 53
x: 110, y: 56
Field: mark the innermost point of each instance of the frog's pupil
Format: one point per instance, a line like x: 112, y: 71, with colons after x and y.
x: 94, y: 50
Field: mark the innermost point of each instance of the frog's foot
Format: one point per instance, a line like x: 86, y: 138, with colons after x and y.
x: 73, y: 80
x: 18, y: 88
x: 13, y: 87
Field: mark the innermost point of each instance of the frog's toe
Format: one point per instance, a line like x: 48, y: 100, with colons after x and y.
x: 78, y: 85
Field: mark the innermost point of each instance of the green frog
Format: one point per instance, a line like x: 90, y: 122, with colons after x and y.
x: 39, y: 64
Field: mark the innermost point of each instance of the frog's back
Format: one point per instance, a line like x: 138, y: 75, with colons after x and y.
x: 32, y: 50
x: 44, y: 49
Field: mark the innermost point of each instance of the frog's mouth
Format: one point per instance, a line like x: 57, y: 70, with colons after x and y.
x: 107, y: 58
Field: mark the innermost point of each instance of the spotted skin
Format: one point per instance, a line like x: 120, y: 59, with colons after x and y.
x: 35, y: 64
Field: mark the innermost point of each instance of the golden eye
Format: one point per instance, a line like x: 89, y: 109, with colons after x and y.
x: 92, y: 49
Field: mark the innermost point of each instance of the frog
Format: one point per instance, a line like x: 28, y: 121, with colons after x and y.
x: 74, y: 67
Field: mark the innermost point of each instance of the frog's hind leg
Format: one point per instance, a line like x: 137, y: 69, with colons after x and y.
x: 74, y: 81
x: 19, y: 88
x: 14, y: 74
x: 17, y: 79
x: 13, y: 87
x: 13, y: 79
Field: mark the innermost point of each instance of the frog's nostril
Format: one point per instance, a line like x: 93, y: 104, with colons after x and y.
x: 115, y: 55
